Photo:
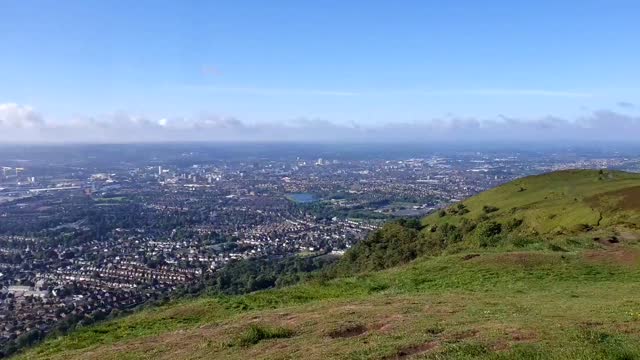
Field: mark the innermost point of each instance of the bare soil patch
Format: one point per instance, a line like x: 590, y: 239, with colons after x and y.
x: 466, y: 334
x: 627, y: 199
x: 626, y: 257
x: 629, y: 235
x: 607, y: 241
x: 522, y: 259
x: 415, y: 350
x: 387, y: 324
x: 348, y: 331
x: 521, y: 336
x: 512, y: 337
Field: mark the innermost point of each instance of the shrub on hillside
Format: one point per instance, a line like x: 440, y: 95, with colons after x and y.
x: 488, y: 229
x: 554, y: 247
x: 411, y: 223
x: 522, y: 241
x: 467, y: 226
x: 439, y: 238
x: 487, y: 233
x: 395, y: 243
x: 487, y: 209
x: 257, y: 333
x: 458, y: 209
x: 581, y: 227
x: 512, y: 224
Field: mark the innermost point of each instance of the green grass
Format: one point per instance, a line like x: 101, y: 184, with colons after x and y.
x: 567, y: 297
x: 553, y: 297
x: 557, y: 201
x: 256, y: 333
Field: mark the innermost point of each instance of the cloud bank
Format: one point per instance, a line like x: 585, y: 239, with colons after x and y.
x: 23, y: 124
x: 19, y: 117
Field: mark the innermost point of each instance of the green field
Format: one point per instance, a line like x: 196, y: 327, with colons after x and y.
x: 570, y: 292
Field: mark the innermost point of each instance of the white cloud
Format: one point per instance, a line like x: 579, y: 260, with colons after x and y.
x: 626, y: 105
x: 17, y: 116
x: 23, y: 124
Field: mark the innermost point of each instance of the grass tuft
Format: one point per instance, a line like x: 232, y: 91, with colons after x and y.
x: 257, y: 333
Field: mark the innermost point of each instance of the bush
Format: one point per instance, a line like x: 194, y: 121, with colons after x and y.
x: 512, y: 224
x: 488, y: 229
x: 522, y: 241
x: 439, y: 238
x: 554, y: 247
x: 411, y: 223
x: 393, y: 244
x: 489, y: 209
x: 489, y: 241
x: 581, y: 227
x: 459, y: 209
x: 467, y: 226
x: 257, y: 333
x: 487, y: 233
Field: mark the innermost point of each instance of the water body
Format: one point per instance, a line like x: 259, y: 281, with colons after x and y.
x: 411, y: 212
x: 302, y: 198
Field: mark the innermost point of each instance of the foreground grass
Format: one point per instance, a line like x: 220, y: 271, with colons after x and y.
x: 496, y: 305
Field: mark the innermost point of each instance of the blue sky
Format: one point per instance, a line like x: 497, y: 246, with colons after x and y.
x: 369, y: 63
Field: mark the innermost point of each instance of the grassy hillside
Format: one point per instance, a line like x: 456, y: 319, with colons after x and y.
x: 557, y: 203
x: 561, y: 211
x: 560, y: 281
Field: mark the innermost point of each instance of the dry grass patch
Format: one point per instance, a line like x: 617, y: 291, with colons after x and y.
x: 621, y: 256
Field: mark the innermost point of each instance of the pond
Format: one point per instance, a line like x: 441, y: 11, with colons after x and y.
x: 302, y: 197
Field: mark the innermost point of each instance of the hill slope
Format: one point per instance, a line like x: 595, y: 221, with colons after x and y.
x: 559, y: 281
x: 560, y: 202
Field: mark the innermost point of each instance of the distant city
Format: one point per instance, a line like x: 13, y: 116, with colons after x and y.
x: 88, y: 231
